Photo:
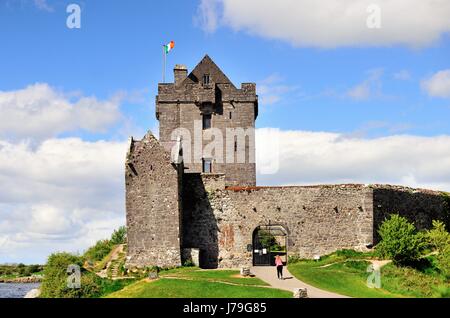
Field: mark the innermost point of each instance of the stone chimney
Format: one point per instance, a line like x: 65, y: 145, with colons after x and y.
x: 179, y: 73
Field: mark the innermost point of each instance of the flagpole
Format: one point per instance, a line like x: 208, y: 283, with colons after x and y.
x: 164, y: 65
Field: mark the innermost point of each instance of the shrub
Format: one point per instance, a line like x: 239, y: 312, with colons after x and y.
x: 294, y: 259
x: 400, y: 240
x: 443, y: 262
x: 349, y: 253
x: 119, y: 236
x: 188, y: 263
x: 442, y: 291
x: 438, y: 237
x: 54, y: 284
x: 98, y: 251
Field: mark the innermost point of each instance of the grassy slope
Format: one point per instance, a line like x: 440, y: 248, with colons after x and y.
x: 347, y: 275
x: 348, y: 278
x: 194, y: 283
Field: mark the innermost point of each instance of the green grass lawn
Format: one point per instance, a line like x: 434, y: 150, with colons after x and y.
x: 346, y: 275
x: 228, y: 276
x: 195, y: 283
x: 347, y: 278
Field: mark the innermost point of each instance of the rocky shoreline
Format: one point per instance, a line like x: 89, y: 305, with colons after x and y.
x: 22, y: 280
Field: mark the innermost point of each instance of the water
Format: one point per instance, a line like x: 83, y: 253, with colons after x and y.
x: 16, y: 290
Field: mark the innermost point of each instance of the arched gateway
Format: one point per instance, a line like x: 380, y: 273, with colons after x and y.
x: 269, y: 241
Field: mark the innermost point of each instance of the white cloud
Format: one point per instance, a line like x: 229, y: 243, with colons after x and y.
x: 62, y: 195
x: 67, y: 193
x: 370, y: 87
x: 438, y: 85
x: 207, y: 15
x: 402, y: 75
x: 39, y: 111
x: 333, y: 23
x: 320, y: 157
x: 43, y: 5
x: 271, y: 89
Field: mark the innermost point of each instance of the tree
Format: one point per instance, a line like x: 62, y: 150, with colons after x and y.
x: 119, y: 236
x: 55, y: 283
x: 439, y: 239
x: 98, y: 251
x: 400, y: 240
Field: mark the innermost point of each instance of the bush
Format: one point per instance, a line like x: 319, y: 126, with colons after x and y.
x: 442, y: 291
x: 54, y: 284
x: 119, y: 236
x: 443, y: 262
x: 400, y: 241
x: 188, y: 263
x: 438, y: 238
x: 98, y: 251
x: 294, y: 259
x: 349, y: 253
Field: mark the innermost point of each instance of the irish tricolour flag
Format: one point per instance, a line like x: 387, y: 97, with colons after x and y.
x: 169, y: 47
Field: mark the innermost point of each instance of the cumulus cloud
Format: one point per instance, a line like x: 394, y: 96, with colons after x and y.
x: 62, y: 195
x: 311, y: 23
x: 438, y: 85
x: 320, y: 157
x: 39, y: 112
x: 67, y: 193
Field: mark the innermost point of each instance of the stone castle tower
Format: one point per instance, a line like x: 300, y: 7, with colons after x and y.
x: 203, y: 100
x: 185, y: 203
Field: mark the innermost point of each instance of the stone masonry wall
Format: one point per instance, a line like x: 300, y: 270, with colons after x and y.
x: 153, y: 205
x: 319, y: 220
x: 417, y: 205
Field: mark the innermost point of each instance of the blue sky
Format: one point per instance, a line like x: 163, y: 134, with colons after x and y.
x: 118, y: 49
x: 352, y: 103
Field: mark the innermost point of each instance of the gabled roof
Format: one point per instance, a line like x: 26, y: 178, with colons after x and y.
x: 207, y: 66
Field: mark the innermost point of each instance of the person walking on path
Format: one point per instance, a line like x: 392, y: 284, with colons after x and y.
x: 279, y: 265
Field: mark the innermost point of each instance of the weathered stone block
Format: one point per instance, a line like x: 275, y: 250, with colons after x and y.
x: 300, y: 293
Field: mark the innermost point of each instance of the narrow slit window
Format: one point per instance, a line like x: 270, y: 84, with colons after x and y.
x: 230, y: 116
x: 206, y: 121
x: 206, y: 79
x: 207, y: 166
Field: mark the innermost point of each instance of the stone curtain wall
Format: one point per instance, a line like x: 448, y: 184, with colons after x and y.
x: 419, y: 206
x: 319, y: 220
x: 168, y: 209
x: 153, y: 205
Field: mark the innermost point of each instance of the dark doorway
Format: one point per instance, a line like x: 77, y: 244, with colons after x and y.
x: 269, y: 241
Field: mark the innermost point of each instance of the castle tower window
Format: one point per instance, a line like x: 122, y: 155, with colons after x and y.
x: 206, y: 121
x: 207, y: 166
x: 206, y: 79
